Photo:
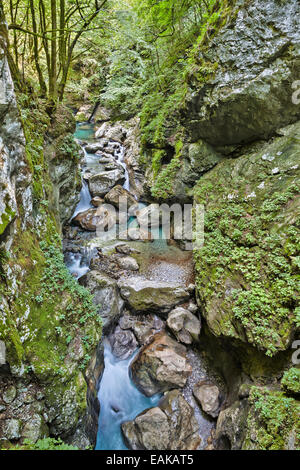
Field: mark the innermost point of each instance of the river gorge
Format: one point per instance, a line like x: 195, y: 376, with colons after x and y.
x: 117, y: 330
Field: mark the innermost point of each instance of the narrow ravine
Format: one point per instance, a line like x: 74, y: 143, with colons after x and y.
x: 121, y: 401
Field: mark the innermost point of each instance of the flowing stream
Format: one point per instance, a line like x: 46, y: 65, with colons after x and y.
x: 120, y: 400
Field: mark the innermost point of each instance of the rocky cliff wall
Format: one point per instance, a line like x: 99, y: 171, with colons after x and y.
x: 49, y: 329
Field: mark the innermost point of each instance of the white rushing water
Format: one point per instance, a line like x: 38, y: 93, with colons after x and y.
x: 120, y: 401
x: 121, y: 155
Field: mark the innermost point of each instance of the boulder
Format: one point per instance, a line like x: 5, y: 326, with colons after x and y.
x: 208, y: 396
x: 170, y: 426
x: 128, y: 263
x: 143, y: 295
x: 117, y: 193
x: 123, y: 343
x: 185, y: 326
x: 125, y: 249
x: 105, y: 296
x: 103, y: 218
x: 102, y: 114
x: 93, y: 148
x: 97, y: 201
x: 9, y: 394
x: 160, y: 366
x: 143, y: 326
x: 101, y: 183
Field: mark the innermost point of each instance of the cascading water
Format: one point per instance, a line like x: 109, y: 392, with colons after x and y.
x: 85, y: 199
x: 120, y: 401
x: 120, y: 160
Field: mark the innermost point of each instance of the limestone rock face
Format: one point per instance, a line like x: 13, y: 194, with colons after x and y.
x: 15, y: 177
x: 185, y: 326
x: 151, y: 296
x: 106, y: 296
x: 63, y: 165
x: 170, y: 426
x: 208, y: 396
x: 251, y: 212
x: 266, y: 420
x: 160, y: 366
x: 254, y: 62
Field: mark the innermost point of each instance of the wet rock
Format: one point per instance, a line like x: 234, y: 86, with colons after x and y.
x: 128, y: 263
x: 160, y: 366
x: 12, y: 429
x: 103, y: 218
x: 185, y: 326
x: 152, y: 296
x: 123, y: 343
x: 103, y: 182
x: 117, y: 193
x: 208, y: 396
x: 97, y: 201
x: 106, y: 296
x: 193, y: 308
x: 170, y: 426
x: 9, y: 394
x: 144, y: 327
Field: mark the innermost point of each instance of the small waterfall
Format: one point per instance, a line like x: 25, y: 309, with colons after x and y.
x: 85, y: 199
x: 120, y: 160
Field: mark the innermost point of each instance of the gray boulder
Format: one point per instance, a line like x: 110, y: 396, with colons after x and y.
x: 143, y: 326
x: 185, y: 326
x: 123, y: 343
x: 160, y: 366
x: 208, y: 396
x: 128, y: 263
x: 101, y: 183
x: 152, y: 296
x: 170, y: 426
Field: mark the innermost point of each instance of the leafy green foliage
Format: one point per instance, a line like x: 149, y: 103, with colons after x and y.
x: 291, y: 381
x: 275, y: 417
x: 44, y: 444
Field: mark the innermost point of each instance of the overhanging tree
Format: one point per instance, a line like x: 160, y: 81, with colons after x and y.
x: 44, y: 35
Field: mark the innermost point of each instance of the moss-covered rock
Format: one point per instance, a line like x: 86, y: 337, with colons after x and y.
x: 273, y: 421
x: 290, y: 382
x: 247, y: 271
